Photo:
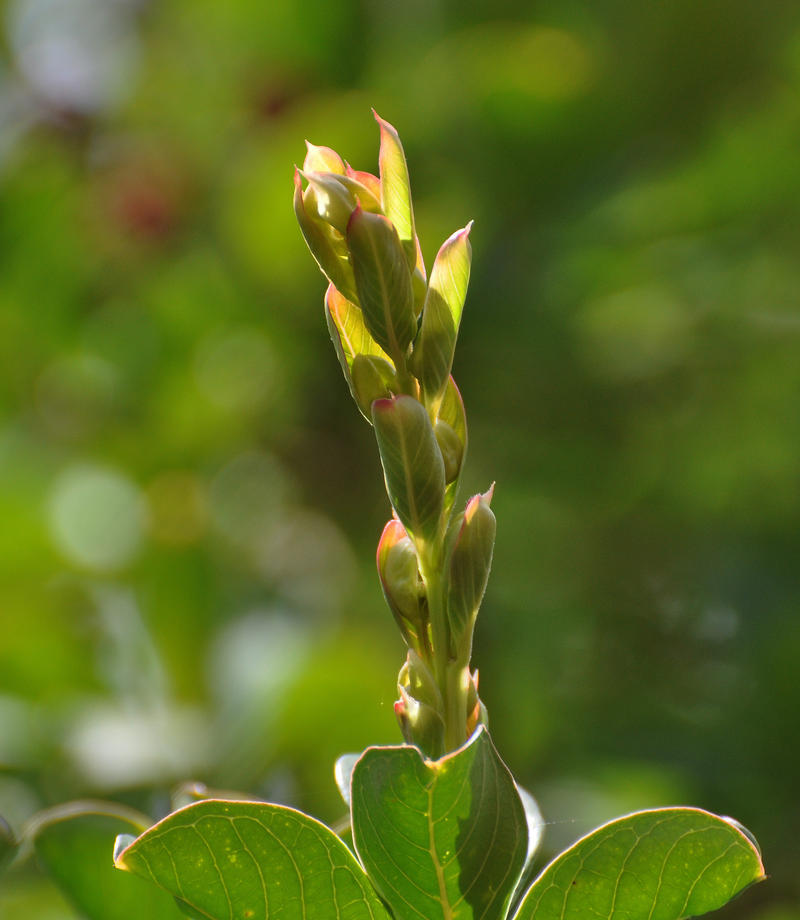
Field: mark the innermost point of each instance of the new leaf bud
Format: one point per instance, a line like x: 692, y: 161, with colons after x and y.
x: 420, y: 707
x: 323, y: 159
x: 373, y: 378
x: 452, y: 449
x: 333, y: 201
x: 470, y: 562
x: 402, y: 585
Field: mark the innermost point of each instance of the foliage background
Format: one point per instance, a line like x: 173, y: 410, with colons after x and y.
x: 190, y: 503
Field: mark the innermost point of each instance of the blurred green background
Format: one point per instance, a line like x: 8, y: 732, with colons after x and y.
x: 190, y: 502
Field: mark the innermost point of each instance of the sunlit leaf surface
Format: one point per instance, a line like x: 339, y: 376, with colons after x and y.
x: 653, y: 865
x: 253, y: 861
x: 440, y: 839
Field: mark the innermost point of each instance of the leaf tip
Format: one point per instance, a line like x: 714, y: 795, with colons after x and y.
x: 121, y: 844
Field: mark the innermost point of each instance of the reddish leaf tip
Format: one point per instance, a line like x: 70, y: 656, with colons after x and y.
x: 358, y: 212
x: 383, y: 405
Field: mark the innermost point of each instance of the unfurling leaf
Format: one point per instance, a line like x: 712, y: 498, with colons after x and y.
x: 470, y: 562
x: 326, y: 245
x: 331, y: 200
x: 444, y: 839
x: 373, y: 183
x: 441, y: 316
x: 396, y: 188
x: 383, y: 281
x: 667, y: 864
x: 452, y: 448
x: 322, y: 159
x: 253, y: 860
x: 412, y: 463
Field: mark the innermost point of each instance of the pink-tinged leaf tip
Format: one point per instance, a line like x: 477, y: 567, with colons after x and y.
x: 383, y: 405
x: 356, y: 216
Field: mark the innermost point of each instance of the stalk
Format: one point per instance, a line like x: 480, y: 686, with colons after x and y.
x: 395, y: 333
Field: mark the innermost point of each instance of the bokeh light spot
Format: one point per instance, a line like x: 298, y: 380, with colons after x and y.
x: 96, y: 517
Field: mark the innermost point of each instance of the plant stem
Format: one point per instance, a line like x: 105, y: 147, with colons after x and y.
x: 448, y: 671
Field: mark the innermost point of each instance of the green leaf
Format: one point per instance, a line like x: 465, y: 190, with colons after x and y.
x: 441, y: 316
x: 74, y: 844
x: 383, y: 282
x: 664, y: 864
x: 396, y: 188
x: 253, y: 861
x: 412, y: 463
x: 441, y: 840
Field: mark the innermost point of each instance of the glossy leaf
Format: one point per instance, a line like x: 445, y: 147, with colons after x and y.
x: 664, y: 864
x: 253, y: 861
x: 441, y: 315
x: 383, y: 281
x: 412, y: 463
x: 441, y: 840
x: 74, y: 844
x: 396, y: 188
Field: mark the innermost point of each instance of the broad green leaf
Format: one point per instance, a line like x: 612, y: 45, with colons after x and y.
x: 441, y: 316
x: 329, y: 252
x: 8, y: 844
x: 74, y: 844
x: 253, y: 861
x: 383, y: 281
x: 396, y: 188
x: 412, y: 463
x: 441, y: 840
x: 664, y: 864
